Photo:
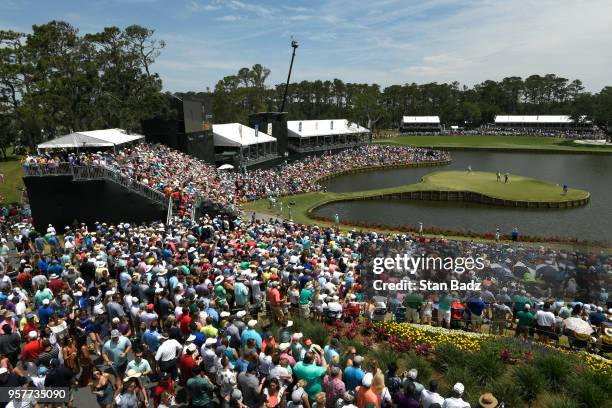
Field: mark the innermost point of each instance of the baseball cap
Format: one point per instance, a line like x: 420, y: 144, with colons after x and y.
x: 115, y: 333
x: 367, y: 380
x: 459, y: 388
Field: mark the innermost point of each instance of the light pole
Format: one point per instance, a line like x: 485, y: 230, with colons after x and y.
x: 294, y: 45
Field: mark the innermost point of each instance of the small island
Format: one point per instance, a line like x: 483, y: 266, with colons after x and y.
x: 475, y: 186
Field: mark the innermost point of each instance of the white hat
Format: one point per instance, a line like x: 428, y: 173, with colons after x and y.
x: 134, y: 299
x: 210, y: 341
x: 459, y: 388
x: 527, y: 306
x: 225, y: 314
x: 252, y: 323
x: 412, y: 374
x: 116, y: 320
x: 3, y: 370
x: 33, y: 334
x: 297, y: 336
x: 191, y: 337
x: 367, y: 380
x: 240, y: 314
x: 218, y: 280
x: 78, y: 293
x: 283, y: 346
x: 289, y: 323
x: 192, y: 347
x: 45, y: 301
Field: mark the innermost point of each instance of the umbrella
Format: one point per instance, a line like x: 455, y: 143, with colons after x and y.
x: 577, y: 325
x: 225, y: 167
x: 501, y: 271
x: 548, y: 272
x: 520, y: 269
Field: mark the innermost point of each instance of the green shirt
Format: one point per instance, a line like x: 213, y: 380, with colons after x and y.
x: 221, y: 294
x: 445, y: 303
x: 201, y: 391
x: 413, y: 301
x: 520, y: 301
x: 305, y: 296
x: 525, y: 318
x: 312, y: 374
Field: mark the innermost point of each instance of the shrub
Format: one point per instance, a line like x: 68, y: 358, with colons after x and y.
x: 591, y: 389
x: 424, y: 368
x: 448, y: 357
x: 529, y: 381
x: 464, y: 376
x: 558, y: 401
x: 508, y: 392
x: 486, y: 366
x: 383, y: 356
x: 312, y: 329
x: 555, y: 367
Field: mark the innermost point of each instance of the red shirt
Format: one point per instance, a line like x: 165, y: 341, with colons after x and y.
x: 32, y: 350
x: 160, y: 388
x: 23, y: 278
x: 186, y: 364
x: 56, y: 286
x: 184, y: 323
x: 274, y: 297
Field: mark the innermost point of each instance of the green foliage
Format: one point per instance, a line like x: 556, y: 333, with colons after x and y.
x: 382, y: 356
x: 486, y: 366
x: 311, y: 329
x: 463, y: 375
x: 555, y: 367
x: 507, y: 391
x: 590, y: 389
x: 424, y: 368
x: 558, y: 401
x: 530, y: 382
x: 54, y: 80
x: 449, y: 357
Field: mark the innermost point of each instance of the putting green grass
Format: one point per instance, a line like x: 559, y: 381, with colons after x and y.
x: 476, y: 142
x: 10, y: 188
x: 518, y: 188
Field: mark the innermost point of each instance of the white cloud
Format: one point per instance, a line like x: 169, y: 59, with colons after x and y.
x: 229, y: 17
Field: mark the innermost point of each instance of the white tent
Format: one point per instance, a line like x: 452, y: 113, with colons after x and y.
x: 533, y: 119
x: 236, y: 135
x: 93, y: 138
x: 421, y: 119
x: 324, y: 127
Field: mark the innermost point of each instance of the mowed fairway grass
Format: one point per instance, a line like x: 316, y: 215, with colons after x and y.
x: 494, y: 143
x: 10, y: 188
x: 518, y: 188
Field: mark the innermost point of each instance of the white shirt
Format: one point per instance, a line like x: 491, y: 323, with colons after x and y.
x: 168, y: 350
x: 428, y: 398
x: 455, y: 403
x: 545, y: 318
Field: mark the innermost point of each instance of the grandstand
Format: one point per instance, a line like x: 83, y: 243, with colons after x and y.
x: 328, y: 134
x: 419, y: 124
x: 543, y: 122
x: 242, y: 145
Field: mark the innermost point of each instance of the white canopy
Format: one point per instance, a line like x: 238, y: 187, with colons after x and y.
x: 236, y: 135
x: 323, y: 127
x: 535, y: 119
x: 92, y: 138
x: 421, y: 119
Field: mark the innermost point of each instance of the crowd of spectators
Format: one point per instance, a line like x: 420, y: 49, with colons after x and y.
x: 200, y: 313
x: 187, y: 179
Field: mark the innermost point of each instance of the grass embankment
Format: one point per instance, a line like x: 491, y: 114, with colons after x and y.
x: 10, y: 188
x: 485, y: 142
x: 519, y: 188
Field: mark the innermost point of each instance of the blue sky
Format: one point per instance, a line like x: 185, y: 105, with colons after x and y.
x: 385, y: 41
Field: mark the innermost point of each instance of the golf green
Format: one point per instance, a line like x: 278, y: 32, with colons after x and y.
x: 446, y: 185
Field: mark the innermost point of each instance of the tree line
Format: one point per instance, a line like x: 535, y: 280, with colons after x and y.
x: 54, y: 81
x: 235, y: 96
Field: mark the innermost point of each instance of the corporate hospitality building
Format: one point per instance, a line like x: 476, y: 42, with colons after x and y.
x: 326, y: 134
x: 419, y: 124
x: 241, y: 145
x: 558, y: 122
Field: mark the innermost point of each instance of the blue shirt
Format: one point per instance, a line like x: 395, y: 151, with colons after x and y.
x: 250, y: 334
x: 330, y: 353
x: 44, y: 314
x: 476, y: 306
x: 353, y: 377
x: 151, y: 339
